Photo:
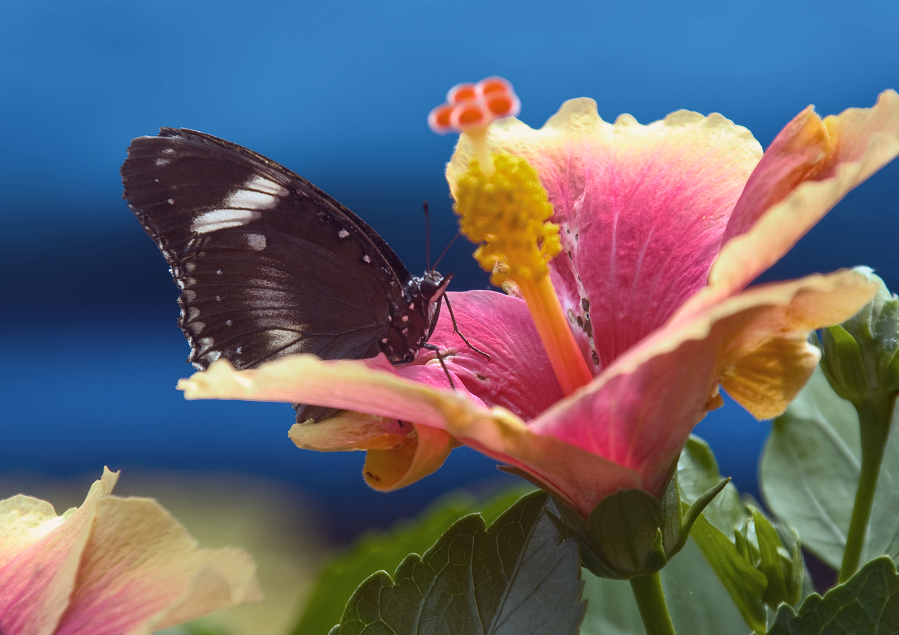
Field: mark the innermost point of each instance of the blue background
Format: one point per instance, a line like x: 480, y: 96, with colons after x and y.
x: 339, y: 92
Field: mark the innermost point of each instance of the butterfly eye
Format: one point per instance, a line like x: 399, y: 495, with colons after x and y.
x: 428, y: 288
x: 432, y: 285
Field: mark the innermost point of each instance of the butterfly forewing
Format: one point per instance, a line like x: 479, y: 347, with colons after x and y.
x: 267, y: 264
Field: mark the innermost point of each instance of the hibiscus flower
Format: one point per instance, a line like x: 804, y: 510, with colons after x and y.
x: 596, y: 378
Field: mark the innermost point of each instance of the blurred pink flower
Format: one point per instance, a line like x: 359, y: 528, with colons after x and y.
x: 113, y: 566
x: 662, y: 226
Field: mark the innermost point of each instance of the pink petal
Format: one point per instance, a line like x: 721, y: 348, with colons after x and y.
x: 399, y: 453
x: 639, y: 412
x: 517, y: 376
x: 112, y: 566
x: 642, y: 210
x: 355, y: 385
x: 809, y: 167
x: 39, y: 558
x: 141, y: 572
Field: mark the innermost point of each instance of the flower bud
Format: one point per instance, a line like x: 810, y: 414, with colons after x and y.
x: 631, y: 533
x: 861, y: 355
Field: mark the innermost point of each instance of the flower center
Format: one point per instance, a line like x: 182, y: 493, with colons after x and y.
x: 505, y: 210
x: 506, y: 213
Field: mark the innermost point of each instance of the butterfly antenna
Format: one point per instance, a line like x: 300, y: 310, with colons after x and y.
x: 427, y: 236
x: 446, y: 249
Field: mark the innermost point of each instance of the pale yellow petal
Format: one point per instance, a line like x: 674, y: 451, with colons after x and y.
x: 860, y: 141
x: 141, y: 572
x: 39, y: 558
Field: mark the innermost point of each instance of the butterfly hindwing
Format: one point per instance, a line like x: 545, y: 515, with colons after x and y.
x: 267, y: 264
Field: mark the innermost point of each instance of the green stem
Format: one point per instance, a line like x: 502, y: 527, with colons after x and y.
x: 651, y: 602
x: 875, y: 415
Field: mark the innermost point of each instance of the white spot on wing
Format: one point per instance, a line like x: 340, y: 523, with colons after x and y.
x: 256, y: 242
x: 366, y: 259
x: 343, y: 233
x: 248, y: 199
x: 195, y: 327
x: 214, y: 355
x: 266, y: 186
x: 161, y: 163
x: 217, y: 219
x: 171, y: 201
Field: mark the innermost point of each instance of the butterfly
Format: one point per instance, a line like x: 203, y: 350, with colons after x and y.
x: 268, y: 264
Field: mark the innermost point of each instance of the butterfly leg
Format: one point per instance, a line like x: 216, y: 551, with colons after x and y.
x: 456, y: 330
x: 436, y: 349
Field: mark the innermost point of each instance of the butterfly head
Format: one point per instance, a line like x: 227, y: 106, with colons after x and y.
x: 414, y: 322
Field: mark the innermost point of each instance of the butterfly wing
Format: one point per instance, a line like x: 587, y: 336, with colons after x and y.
x: 268, y: 265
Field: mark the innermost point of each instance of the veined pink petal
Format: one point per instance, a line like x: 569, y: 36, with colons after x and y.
x: 809, y: 167
x: 625, y: 428
x: 641, y: 410
x: 653, y: 300
x: 401, y: 454
x: 354, y: 385
x: 642, y: 211
x: 518, y: 376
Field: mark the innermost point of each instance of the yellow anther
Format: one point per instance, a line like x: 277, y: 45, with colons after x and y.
x: 507, y: 213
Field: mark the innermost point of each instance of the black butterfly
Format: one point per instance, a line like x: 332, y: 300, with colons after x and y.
x: 268, y: 264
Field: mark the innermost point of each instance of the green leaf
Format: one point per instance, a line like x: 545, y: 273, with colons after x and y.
x: 774, y: 562
x: 696, y: 600
x: 866, y: 604
x: 697, y: 472
x: 809, y: 473
x: 518, y: 577
x: 743, y: 582
x: 385, y: 550
x: 742, y: 547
